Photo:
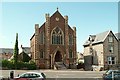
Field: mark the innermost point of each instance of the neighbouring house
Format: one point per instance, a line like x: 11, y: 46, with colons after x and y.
x: 118, y: 36
x: 53, y: 45
x: 24, y: 52
x: 6, y: 53
x: 101, y: 51
x: 24, y: 57
x: 80, y: 57
x: 80, y: 61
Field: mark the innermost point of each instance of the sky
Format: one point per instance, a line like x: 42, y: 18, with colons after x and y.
x: 88, y: 18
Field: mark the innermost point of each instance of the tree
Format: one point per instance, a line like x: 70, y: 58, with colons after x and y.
x: 16, y: 51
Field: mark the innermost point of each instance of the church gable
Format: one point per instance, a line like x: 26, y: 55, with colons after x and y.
x: 57, y: 17
x: 57, y: 20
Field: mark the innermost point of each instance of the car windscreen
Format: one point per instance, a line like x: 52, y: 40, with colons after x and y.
x: 30, y: 75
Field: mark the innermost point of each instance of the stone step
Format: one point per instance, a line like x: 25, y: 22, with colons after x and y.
x: 60, y: 65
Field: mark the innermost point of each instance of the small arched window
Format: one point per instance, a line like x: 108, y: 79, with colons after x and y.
x: 70, y: 53
x: 57, y: 36
x: 41, y: 53
x: 70, y: 39
x: 42, y: 38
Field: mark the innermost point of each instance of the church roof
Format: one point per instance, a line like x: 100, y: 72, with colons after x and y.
x: 57, y: 13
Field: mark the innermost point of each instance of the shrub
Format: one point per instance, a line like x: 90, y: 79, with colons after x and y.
x: 20, y: 65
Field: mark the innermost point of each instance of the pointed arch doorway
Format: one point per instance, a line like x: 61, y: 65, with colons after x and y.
x: 58, y: 57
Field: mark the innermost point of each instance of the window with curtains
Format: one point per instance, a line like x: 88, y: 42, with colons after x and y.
x: 57, y: 36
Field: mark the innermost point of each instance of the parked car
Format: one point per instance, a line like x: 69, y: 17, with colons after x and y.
x: 31, y: 76
x: 115, y: 74
x: 1, y: 78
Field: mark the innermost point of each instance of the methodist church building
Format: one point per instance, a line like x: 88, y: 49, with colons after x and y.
x: 53, y: 45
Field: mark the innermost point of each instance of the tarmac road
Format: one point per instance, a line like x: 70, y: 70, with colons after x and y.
x: 61, y: 74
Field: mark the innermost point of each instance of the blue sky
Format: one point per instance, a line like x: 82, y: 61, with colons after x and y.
x: 88, y: 17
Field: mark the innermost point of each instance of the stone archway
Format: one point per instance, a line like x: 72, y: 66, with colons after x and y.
x: 58, y: 57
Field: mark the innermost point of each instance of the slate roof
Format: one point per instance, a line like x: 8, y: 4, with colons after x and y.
x: 98, y: 38
x: 118, y: 35
x: 6, y: 50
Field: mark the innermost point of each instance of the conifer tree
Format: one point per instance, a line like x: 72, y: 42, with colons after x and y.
x: 16, y: 51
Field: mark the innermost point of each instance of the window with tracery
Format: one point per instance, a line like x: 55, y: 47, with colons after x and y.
x: 57, y: 36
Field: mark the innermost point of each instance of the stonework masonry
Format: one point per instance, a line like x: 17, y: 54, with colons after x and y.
x: 54, y: 42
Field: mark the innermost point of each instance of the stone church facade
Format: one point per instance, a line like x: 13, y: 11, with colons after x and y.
x: 54, y: 43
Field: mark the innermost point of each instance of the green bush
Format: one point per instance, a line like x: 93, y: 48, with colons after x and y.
x: 5, y: 63
x: 20, y: 65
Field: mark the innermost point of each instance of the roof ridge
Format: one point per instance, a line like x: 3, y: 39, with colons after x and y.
x: 103, y: 32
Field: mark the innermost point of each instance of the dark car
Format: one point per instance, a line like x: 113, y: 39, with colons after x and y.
x: 31, y: 76
x: 112, y: 75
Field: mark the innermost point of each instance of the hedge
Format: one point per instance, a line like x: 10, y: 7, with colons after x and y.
x: 20, y: 65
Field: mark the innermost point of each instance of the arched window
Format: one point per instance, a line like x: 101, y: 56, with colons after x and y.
x: 70, y: 39
x: 41, y: 53
x: 70, y: 53
x: 42, y: 38
x: 57, y: 36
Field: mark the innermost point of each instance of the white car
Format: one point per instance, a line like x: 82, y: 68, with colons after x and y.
x: 31, y: 76
x: 1, y: 77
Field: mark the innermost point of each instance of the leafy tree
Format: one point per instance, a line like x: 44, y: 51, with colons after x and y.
x: 16, y: 51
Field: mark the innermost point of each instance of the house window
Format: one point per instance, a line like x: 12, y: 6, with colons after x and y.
x: 111, y: 48
x: 91, y: 50
x: 41, y: 54
x: 70, y: 53
x: 110, y: 38
x: 57, y: 36
x: 42, y: 38
x: 111, y: 60
x: 70, y: 39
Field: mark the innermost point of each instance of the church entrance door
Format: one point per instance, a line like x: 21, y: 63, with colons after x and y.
x: 58, y: 57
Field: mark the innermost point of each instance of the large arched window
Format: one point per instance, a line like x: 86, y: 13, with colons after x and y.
x: 57, y: 36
